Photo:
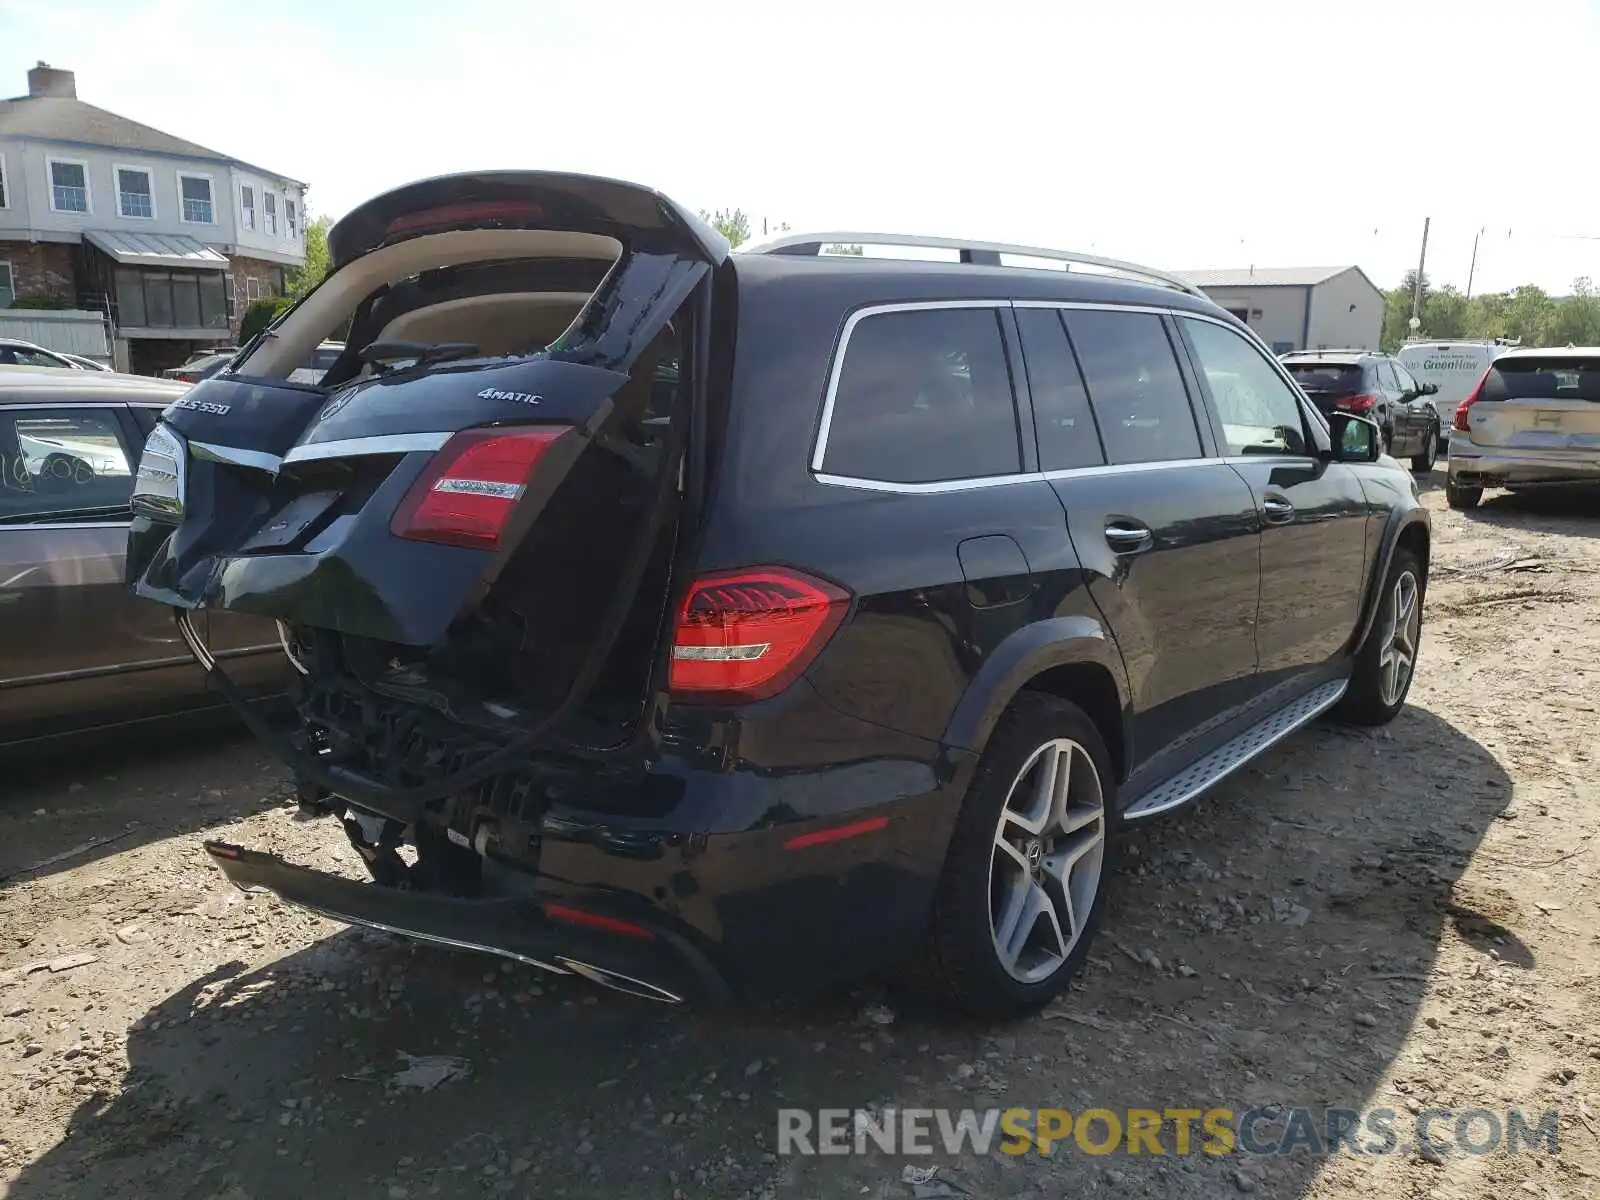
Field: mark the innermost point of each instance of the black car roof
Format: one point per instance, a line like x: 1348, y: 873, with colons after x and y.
x: 865, y: 281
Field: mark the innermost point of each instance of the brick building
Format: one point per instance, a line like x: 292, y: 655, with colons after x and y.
x: 171, y: 240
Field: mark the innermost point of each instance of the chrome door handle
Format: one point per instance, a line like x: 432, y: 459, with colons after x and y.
x: 1126, y: 537
x: 1278, y: 510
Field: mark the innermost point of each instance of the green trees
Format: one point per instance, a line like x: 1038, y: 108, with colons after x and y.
x: 1528, y: 312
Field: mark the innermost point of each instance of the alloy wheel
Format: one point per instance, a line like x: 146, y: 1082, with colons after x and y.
x: 1049, y: 848
x: 1402, y: 628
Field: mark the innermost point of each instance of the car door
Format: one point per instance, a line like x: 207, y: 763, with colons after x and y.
x: 1166, y: 533
x: 1313, y: 510
x: 77, y: 649
x: 1414, y: 413
x: 1390, y: 412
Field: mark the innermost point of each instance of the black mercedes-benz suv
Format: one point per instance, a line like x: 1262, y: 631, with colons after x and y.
x: 710, y: 624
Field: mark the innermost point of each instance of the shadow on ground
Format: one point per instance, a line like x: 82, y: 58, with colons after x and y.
x: 75, y: 806
x: 1570, y: 511
x: 1295, y: 915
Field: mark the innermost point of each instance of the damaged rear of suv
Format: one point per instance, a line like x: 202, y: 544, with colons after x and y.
x: 708, y: 624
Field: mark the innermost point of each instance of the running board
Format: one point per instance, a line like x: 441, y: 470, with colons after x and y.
x: 1229, y: 757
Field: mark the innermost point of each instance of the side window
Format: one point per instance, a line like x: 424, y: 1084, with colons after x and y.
x: 1061, y: 416
x: 1259, y: 412
x: 1386, y: 377
x: 62, y: 463
x: 1408, y: 382
x: 1135, y: 387
x: 924, y: 396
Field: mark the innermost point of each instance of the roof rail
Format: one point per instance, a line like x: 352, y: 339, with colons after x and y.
x: 985, y: 253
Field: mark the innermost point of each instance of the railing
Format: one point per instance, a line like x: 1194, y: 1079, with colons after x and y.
x: 197, y: 212
x: 136, y: 204
x: 69, y: 199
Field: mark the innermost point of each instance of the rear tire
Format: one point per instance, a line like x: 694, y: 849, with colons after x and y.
x: 1430, y: 453
x: 1022, y: 890
x: 1457, y: 496
x: 1387, y: 661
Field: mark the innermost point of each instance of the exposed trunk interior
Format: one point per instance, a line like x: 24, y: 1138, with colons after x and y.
x: 419, y: 659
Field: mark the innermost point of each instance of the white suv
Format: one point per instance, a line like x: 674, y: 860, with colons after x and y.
x: 1534, y: 418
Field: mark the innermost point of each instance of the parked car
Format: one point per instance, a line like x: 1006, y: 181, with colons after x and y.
x: 1375, y: 386
x: 86, y: 364
x: 1453, y: 367
x: 320, y: 360
x: 1533, y: 419
x: 77, y: 652
x: 17, y: 353
x: 202, y: 365
x: 862, y: 628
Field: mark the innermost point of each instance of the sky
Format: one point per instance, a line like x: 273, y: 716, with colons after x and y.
x: 1224, y: 133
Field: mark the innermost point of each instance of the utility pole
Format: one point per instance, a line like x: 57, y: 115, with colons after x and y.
x: 1416, y: 290
x: 1473, y: 269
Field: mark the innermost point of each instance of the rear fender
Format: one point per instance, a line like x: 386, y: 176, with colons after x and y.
x: 1023, y: 657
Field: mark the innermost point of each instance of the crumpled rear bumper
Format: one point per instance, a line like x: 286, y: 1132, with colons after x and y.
x: 638, y: 957
x: 1470, y: 465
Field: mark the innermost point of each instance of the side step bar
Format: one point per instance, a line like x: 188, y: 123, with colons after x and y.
x: 1233, y: 754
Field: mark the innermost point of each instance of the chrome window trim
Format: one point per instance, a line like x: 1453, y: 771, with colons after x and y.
x: 940, y: 486
x: 988, y: 481
x: 59, y: 526
x: 854, y: 319
x: 382, y: 443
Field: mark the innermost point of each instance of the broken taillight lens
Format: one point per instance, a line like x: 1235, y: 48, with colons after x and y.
x: 746, y: 635
x: 468, y: 492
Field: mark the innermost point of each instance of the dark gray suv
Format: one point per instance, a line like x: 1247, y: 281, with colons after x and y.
x: 706, y: 623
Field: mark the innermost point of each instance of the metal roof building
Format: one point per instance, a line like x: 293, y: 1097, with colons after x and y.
x: 1300, y: 308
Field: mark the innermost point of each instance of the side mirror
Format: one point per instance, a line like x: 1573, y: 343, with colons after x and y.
x: 1430, y: 389
x: 1355, y: 439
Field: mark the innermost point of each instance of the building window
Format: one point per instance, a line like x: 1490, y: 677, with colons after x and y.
x: 8, y: 285
x: 170, y: 299
x: 5, y: 194
x: 288, y: 215
x: 252, y: 289
x: 69, y: 185
x: 196, y: 192
x: 247, y: 206
x: 269, y: 212
x: 135, y: 197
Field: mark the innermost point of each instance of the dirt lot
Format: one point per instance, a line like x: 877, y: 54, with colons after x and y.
x: 1399, y: 919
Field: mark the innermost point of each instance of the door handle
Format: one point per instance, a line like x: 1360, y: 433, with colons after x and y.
x: 1278, y: 511
x: 1127, y: 537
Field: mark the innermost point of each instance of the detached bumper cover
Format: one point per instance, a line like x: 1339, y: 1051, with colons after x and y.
x: 663, y: 966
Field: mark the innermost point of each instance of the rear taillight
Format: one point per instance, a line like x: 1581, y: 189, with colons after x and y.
x: 468, y: 492
x: 1359, y: 404
x: 1460, y: 423
x: 746, y: 635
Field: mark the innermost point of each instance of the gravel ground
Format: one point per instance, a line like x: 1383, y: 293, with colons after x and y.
x: 1394, y: 919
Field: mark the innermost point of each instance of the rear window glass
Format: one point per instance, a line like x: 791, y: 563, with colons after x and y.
x: 1061, y: 416
x: 1326, y: 377
x: 924, y: 396
x: 1543, y: 379
x: 1140, y: 403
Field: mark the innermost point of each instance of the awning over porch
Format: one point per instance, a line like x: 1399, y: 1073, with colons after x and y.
x: 156, y: 250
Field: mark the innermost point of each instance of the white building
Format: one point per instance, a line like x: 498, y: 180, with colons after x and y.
x: 170, y: 239
x: 1300, y: 308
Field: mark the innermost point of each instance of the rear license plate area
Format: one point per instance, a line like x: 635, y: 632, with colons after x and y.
x: 291, y: 522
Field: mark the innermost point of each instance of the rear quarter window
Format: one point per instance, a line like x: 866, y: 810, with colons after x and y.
x: 924, y: 396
